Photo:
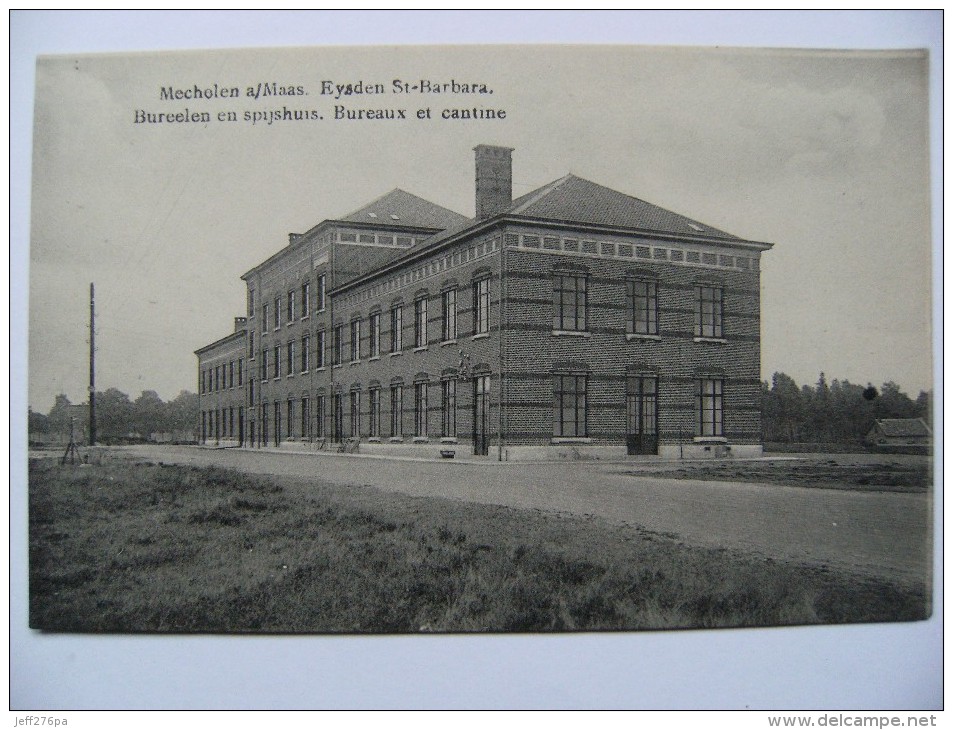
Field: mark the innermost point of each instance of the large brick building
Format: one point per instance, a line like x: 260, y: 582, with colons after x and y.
x: 575, y: 321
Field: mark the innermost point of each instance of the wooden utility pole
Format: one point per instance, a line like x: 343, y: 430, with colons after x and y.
x: 92, y: 366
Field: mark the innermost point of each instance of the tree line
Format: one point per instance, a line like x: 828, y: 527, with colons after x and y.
x: 119, y: 417
x: 835, y: 412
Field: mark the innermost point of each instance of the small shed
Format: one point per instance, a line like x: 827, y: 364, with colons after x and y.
x: 900, y: 432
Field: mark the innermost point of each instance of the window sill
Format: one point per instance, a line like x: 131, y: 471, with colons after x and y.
x: 373, y: 440
x: 421, y: 349
x: 571, y: 440
x: 650, y: 338
x: 354, y: 362
x: 571, y: 333
x: 395, y: 354
x: 444, y: 343
x: 375, y: 357
x: 303, y: 372
x: 710, y: 440
x: 320, y: 369
x: 288, y: 324
x: 720, y: 340
x: 421, y: 440
x: 480, y: 336
x: 335, y: 367
x: 449, y: 440
x: 290, y: 375
x: 305, y: 316
x: 396, y: 440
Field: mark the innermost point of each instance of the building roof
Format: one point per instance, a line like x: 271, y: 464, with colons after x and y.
x: 572, y: 199
x: 903, y: 427
x: 398, y: 208
x: 234, y: 335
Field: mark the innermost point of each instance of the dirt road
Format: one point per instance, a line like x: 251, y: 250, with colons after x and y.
x: 874, y: 533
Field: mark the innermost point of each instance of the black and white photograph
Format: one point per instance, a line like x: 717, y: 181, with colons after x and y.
x: 480, y: 341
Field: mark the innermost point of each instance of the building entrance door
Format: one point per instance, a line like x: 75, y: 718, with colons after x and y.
x: 641, y: 401
x: 481, y: 415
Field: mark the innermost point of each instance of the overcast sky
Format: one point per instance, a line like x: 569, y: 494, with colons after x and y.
x: 823, y: 154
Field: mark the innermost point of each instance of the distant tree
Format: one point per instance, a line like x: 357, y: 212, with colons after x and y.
x: 183, y: 412
x: 113, y: 414
x: 37, y: 422
x: 924, y: 405
x: 59, y: 415
x: 148, y: 414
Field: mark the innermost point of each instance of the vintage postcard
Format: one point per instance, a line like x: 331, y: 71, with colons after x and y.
x: 402, y: 340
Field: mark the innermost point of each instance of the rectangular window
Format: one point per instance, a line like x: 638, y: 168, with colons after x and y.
x: 355, y: 340
x: 305, y: 299
x: 709, y: 309
x: 643, y: 307
x: 231, y: 374
x: 291, y: 305
x: 290, y: 420
x: 448, y: 324
x: 322, y: 291
x: 569, y: 408
x: 276, y: 365
x: 374, y: 396
x: 355, y: 413
x: 251, y: 302
x: 264, y: 318
x: 374, y: 334
x: 216, y: 377
x: 337, y: 345
x: 241, y: 369
x: 251, y: 391
x: 319, y: 416
x: 305, y: 353
x: 710, y: 407
x: 319, y: 349
x: 396, y: 328
x: 291, y: 357
x: 420, y: 323
x: 481, y: 306
x: 263, y: 366
x: 448, y: 408
x: 277, y: 313
x: 420, y: 409
x: 305, y: 417
x: 396, y: 410
x: 251, y: 345
x: 569, y: 303
x: 201, y: 381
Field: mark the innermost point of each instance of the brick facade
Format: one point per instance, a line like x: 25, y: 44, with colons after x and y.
x: 222, y: 374
x: 604, y: 328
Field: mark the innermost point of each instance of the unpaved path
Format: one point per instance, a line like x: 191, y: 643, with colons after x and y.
x: 875, y: 533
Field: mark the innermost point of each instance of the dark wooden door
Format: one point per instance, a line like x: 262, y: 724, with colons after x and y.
x: 481, y: 415
x: 642, y: 414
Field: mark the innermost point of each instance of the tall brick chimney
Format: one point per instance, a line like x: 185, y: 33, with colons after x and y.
x: 494, y: 180
x: 240, y: 323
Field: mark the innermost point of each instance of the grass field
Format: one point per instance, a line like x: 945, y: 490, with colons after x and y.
x: 912, y: 474
x: 152, y: 547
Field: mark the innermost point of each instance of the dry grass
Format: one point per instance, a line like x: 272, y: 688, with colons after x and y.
x: 145, y: 547
x: 886, y: 474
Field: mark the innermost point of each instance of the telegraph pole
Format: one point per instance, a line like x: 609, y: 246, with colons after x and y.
x: 92, y: 366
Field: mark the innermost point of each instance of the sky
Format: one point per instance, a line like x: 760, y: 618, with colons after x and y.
x: 823, y: 154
